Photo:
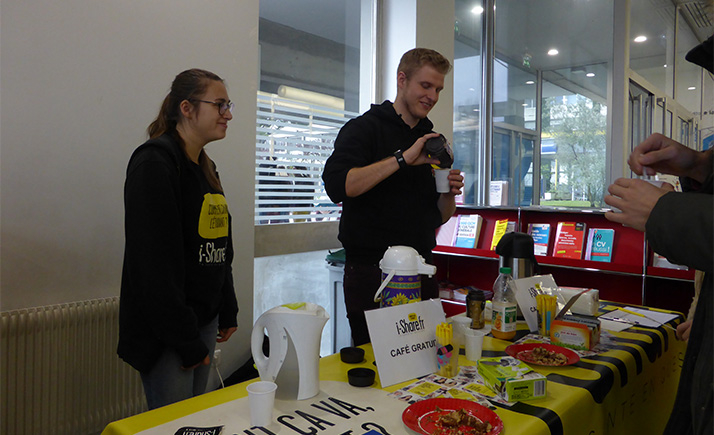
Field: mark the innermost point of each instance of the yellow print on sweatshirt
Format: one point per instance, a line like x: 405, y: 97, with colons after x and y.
x: 213, y: 222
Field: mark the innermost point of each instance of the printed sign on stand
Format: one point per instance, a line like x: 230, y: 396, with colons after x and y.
x: 404, y: 340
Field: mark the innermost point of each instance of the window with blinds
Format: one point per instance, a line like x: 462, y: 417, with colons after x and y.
x: 293, y: 141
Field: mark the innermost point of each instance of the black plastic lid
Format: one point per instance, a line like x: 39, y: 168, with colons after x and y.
x: 515, y: 245
x: 438, y: 148
x: 475, y: 293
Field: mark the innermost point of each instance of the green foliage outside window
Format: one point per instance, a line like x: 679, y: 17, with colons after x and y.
x: 577, y: 171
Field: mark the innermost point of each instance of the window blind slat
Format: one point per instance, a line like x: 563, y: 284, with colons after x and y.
x: 293, y: 141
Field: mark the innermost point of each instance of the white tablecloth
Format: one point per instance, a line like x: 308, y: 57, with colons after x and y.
x: 337, y: 409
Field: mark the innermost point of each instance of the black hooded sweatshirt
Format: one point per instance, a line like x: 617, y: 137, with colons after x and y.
x: 402, y: 209
x: 177, y: 272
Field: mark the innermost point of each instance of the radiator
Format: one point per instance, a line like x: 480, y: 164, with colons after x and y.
x: 59, y: 371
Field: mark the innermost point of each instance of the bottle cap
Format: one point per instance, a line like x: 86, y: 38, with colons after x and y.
x: 506, y: 270
x: 476, y: 294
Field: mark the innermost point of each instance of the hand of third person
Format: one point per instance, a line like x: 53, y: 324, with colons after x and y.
x: 635, y: 199
x: 659, y: 153
x: 683, y: 330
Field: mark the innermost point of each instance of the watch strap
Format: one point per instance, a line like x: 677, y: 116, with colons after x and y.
x: 400, y: 159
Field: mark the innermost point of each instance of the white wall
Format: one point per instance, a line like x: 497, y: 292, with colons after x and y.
x: 407, y: 24
x: 79, y: 83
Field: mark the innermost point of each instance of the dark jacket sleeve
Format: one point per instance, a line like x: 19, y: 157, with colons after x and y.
x: 353, y: 149
x: 155, y: 262
x: 229, y: 304
x: 681, y: 227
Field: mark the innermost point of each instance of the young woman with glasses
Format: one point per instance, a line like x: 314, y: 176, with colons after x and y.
x: 177, y: 295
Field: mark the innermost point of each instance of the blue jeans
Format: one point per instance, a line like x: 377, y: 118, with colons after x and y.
x: 168, y: 383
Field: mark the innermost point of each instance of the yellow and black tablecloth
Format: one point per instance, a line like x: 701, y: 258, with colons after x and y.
x: 628, y: 389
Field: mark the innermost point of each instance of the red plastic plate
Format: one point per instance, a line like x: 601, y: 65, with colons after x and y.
x: 422, y: 416
x: 514, y: 349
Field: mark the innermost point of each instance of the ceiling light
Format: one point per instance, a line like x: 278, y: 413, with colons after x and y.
x: 524, y: 104
x: 477, y: 10
x: 530, y: 82
x: 691, y: 88
x: 641, y: 38
x: 590, y: 74
x: 665, y: 65
x: 552, y: 52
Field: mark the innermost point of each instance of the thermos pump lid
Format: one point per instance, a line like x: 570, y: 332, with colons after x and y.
x: 515, y: 245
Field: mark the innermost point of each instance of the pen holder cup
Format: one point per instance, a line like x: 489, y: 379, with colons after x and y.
x: 547, y: 306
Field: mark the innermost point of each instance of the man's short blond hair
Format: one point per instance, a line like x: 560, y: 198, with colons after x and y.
x: 416, y: 58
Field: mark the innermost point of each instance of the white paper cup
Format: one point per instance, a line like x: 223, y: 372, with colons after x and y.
x: 473, y: 343
x: 442, y: 180
x: 261, y: 397
x: 461, y: 324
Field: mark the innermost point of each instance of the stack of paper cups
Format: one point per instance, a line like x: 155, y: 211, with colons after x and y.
x: 473, y: 343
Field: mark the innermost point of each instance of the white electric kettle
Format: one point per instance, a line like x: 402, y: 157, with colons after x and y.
x: 401, y: 281
x: 294, y: 332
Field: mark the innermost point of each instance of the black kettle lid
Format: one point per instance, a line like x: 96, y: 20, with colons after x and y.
x: 515, y: 245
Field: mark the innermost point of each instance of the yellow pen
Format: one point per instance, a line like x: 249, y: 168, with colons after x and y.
x: 632, y: 312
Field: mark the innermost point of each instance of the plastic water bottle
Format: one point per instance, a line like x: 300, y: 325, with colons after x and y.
x: 504, y: 306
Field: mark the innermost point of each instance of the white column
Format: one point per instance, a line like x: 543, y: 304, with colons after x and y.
x: 406, y: 24
x: 619, y: 88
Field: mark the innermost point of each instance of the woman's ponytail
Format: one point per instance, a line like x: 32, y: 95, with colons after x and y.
x: 188, y: 85
x: 165, y: 122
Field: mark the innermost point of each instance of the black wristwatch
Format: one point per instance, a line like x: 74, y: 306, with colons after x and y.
x: 400, y: 159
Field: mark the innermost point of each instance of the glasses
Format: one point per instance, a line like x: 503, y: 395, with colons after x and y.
x: 223, y: 107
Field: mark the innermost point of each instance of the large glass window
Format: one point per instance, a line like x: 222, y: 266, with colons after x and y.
x: 312, y: 77
x: 574, y: 126
x: 467, y: 94
x: 514, y: 135
x: 652, y: 42
x: 706, y: 130
x: 641, y: 110
x: 687, y: 90
x: 562, y: 48
x: 552, y: 66
x: 570, y: 44
x: 661, y: 34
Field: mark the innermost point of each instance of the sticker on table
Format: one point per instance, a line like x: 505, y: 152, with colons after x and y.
x: 199, y: 430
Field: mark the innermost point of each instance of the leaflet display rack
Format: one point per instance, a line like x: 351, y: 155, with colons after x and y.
x: 629, y: 277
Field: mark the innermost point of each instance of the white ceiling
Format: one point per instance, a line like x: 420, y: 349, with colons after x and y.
x: 300, y: 14
x: 580, y: 29
x: 534, y: 26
